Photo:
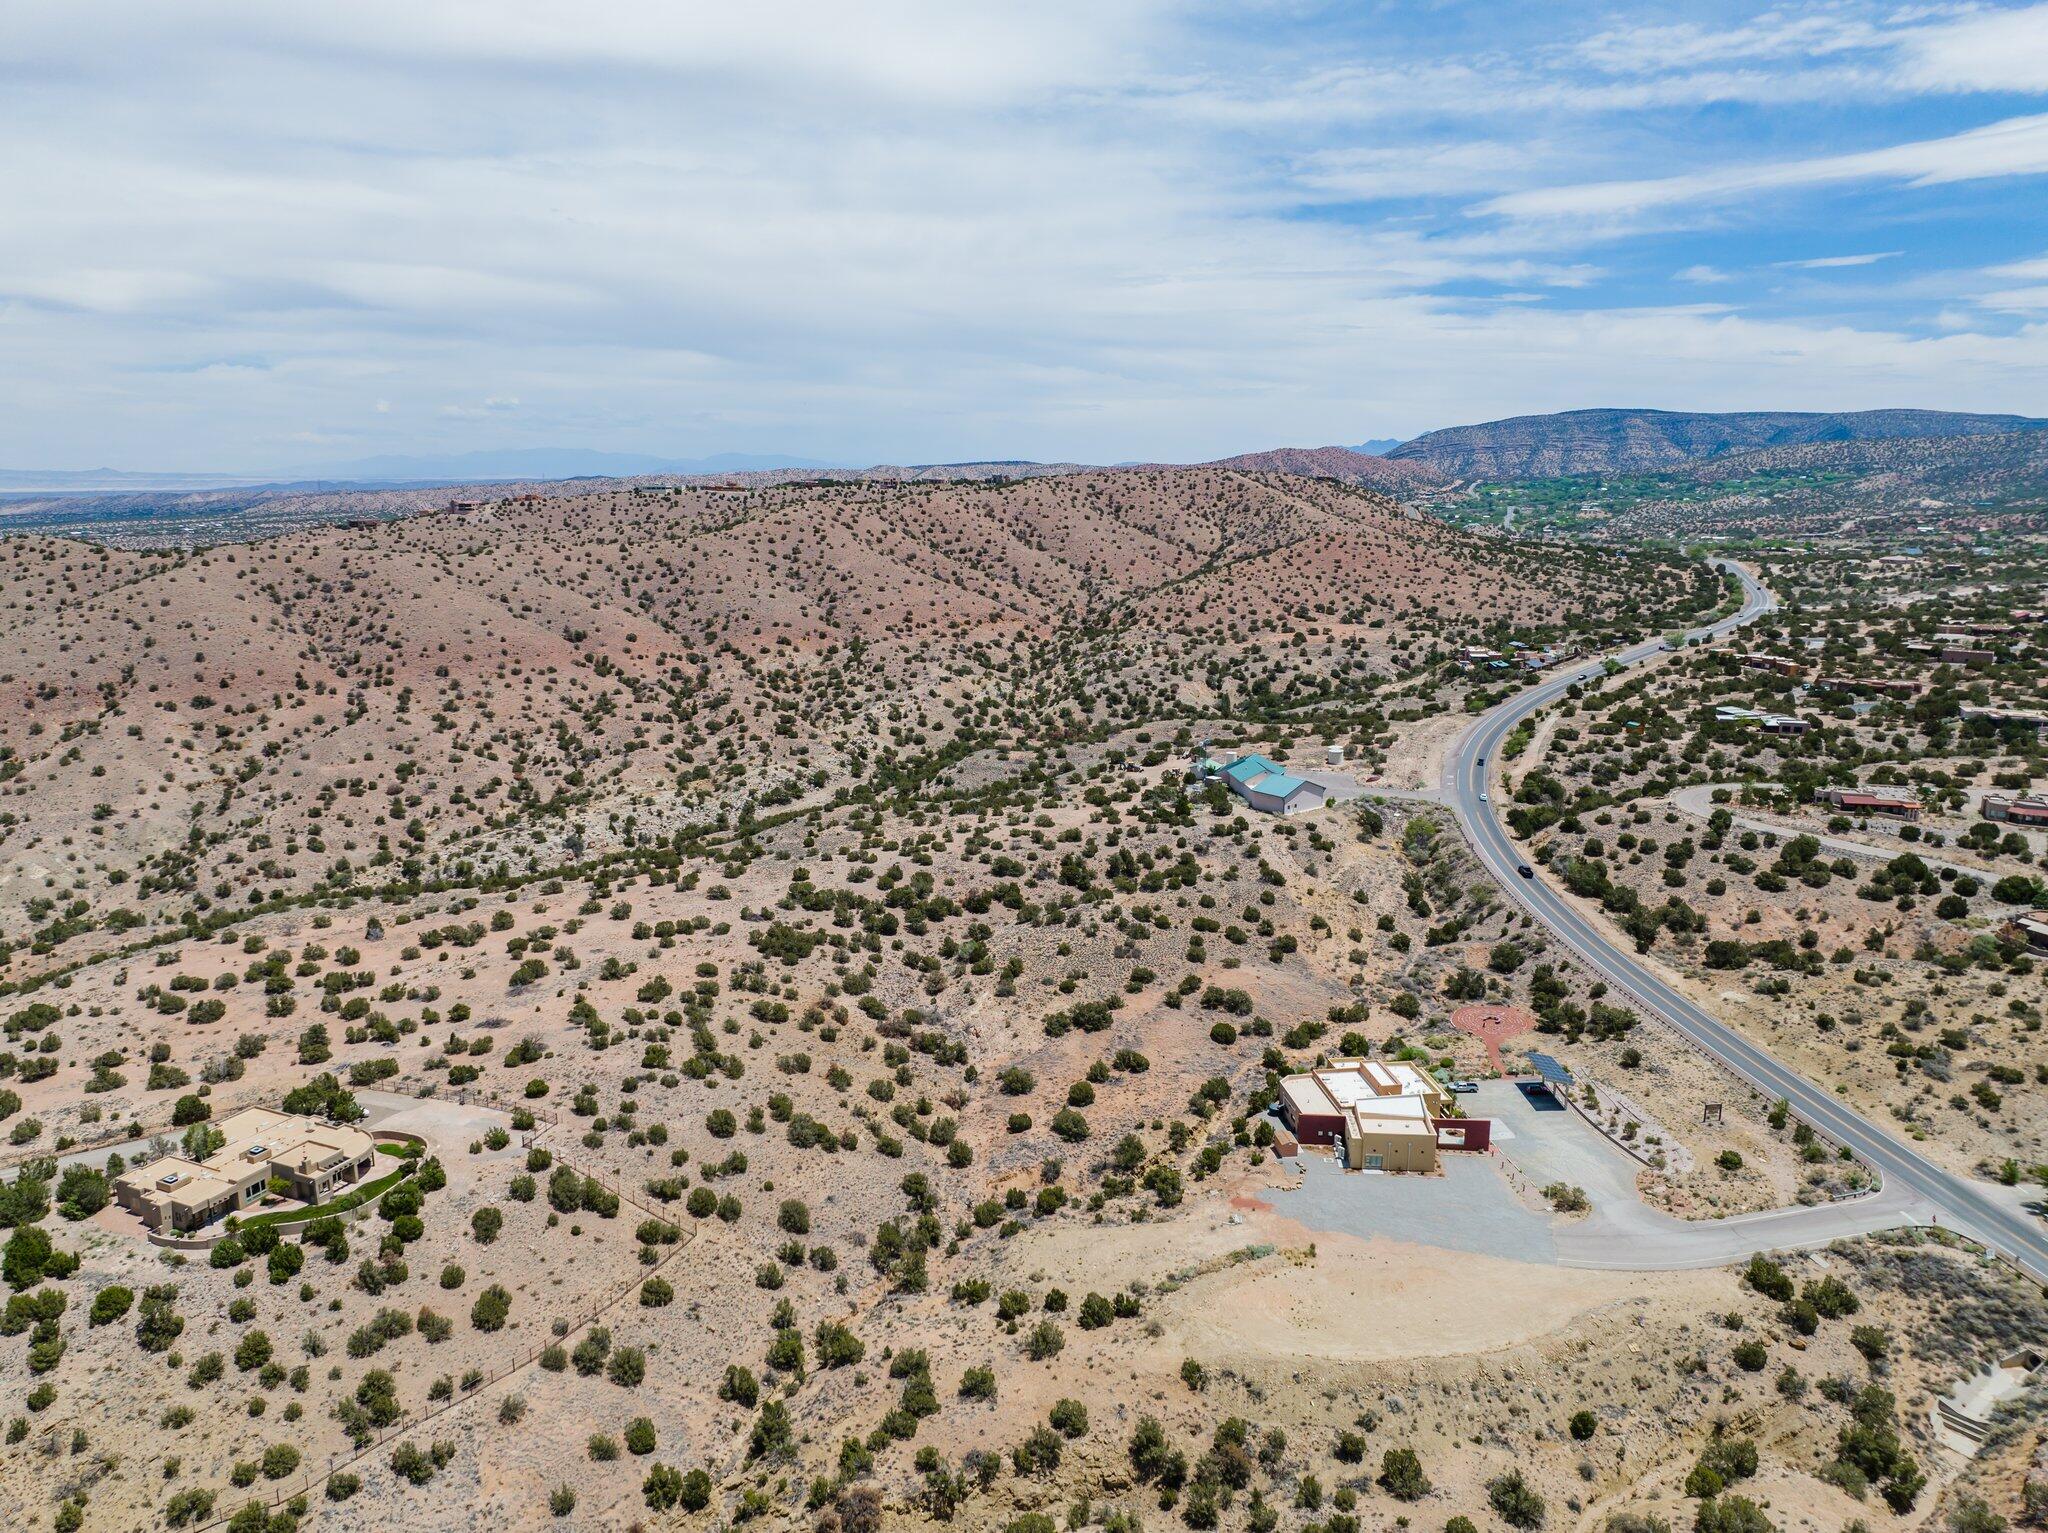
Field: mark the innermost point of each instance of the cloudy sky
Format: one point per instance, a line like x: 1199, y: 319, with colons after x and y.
x: 246, y: 235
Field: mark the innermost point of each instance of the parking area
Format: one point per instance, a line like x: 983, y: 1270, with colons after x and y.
x: 1338, y: 787
x: 448, y: 1127
x: 1548, y: 1142
x: 1468, y: 1208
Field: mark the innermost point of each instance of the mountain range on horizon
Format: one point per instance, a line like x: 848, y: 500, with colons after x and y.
x: 1563, y: 443
x: 1606, y: 441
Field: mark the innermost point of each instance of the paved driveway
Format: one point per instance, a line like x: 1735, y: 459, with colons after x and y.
x: 1468, y: 1208
x: 1338, y: 787
x: 1625, y: 1233
x: 1549, y: 1143
x: 447, y: 1126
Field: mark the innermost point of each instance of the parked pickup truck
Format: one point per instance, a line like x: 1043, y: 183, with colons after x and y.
x: 1463, y: 1088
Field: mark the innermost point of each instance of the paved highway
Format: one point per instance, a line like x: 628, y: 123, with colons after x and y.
x: 1952, y: 1200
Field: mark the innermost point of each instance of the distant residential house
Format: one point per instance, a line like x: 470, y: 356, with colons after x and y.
x: 1781, y: 664
x: 1956, y: 649
x: 1770, y: 723
x: 1889, y: 686
x: 2000, y: 714
x: 2016, y: 811
x: 1267, y: 786
x: 1857, y: 801
x: 1950, y: 650
x: 2031, y: 929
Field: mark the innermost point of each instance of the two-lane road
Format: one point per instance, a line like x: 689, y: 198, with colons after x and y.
x: 1956, y: 1201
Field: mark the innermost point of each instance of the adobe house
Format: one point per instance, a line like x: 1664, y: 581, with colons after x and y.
x: 311, y: 1161
x: 1385, y: 1117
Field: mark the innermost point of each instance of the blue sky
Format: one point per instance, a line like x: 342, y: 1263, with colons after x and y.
x: 245, y: 236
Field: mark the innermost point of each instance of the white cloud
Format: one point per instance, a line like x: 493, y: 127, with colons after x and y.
x: 1803, y: 34
x: 2036, y: 267
x: 1827, y: 263
x: 1702, y: 273
x: 905, y: 230
x: 2015, y: 300
x: 1987, y: 50
x: 1369, y: 173
x: 2016, y: 146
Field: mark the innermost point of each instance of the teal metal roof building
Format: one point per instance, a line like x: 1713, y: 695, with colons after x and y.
x: 1267, y: 786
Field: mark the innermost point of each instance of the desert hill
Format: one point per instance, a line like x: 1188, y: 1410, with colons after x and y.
x: 1636, y: 441
x: 447, y: 692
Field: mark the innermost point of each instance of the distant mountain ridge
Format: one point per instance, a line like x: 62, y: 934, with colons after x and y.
x: 1636, y: 441
x: 86, y: 481
x: 1351, y: 466
x: 544, y: 463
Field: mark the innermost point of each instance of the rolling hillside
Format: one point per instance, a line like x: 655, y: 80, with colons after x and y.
x: 503, y: 682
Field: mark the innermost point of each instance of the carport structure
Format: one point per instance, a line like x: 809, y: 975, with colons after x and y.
x: 1552, y: 1076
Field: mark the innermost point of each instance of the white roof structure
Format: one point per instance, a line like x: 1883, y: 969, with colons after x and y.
x: 1366, y: 1088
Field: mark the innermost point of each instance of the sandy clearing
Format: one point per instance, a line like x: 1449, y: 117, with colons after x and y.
x: 1330, y: 1297
x: 1380, y: 1300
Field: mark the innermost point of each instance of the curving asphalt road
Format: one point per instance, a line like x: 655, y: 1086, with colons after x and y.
x: 1909, y: 1176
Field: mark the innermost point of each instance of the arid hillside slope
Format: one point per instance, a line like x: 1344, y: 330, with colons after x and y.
x: 443, y: 694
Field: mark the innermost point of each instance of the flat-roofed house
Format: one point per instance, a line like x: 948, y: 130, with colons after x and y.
x: 2002, y: 716
x: 2031, y: 928
x: 1386, y: 1117
x: 1855, y: 801
x: 2020, y: 811
x: 311, y: 1158
x: 1784, y: 665
x: 179, y: 1194
x: 1890, y: 686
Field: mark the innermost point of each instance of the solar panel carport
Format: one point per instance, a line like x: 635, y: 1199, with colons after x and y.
x: 1555, y: 1078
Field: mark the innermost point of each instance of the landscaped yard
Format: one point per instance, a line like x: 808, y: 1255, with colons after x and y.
x: 355, y: 1197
